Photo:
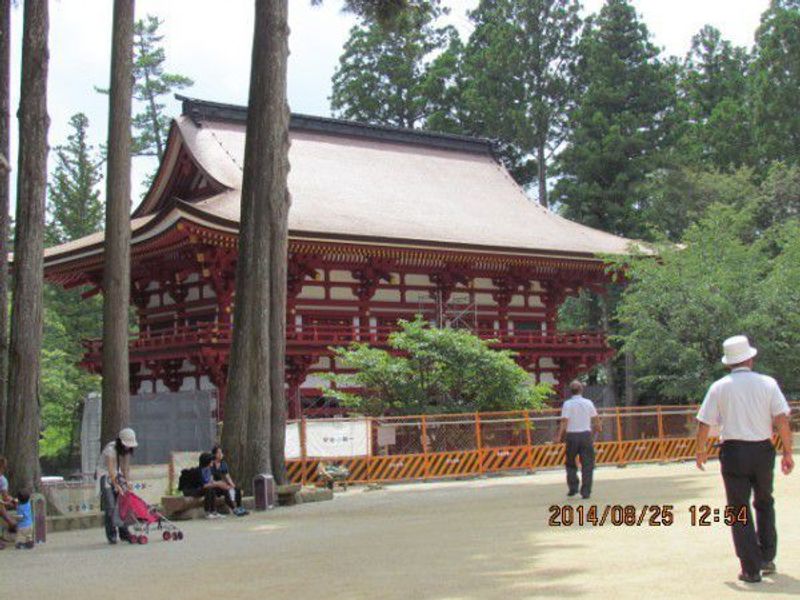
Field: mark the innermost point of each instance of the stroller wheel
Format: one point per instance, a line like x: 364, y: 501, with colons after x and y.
x: 179, y: 534
x: 142, y: 539
x: 166, y: 536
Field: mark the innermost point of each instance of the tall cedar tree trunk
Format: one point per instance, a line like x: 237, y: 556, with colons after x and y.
x: 608, y: 366
x: 22, y: 431
x: 5, y: 124
x: 116, y: 270
x: 542, y: 174
x: 255, y: 405
x: 630, y: 389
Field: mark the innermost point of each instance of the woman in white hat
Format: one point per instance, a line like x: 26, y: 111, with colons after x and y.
x: 114, y: 472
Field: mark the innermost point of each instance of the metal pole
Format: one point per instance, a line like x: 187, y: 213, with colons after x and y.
x: 478, y: 441
x: 619, y: 439
x: 424, y: 440
x: 303, y: 452
x: 661, y: 454
x: 528, y: 438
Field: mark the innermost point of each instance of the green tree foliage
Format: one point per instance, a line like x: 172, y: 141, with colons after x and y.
x: 518, y: 73
x: 74, y: 210
x: 620, y: 123
x: 151, y: 85
x: 779, y: 197
x: 393, y: 76
x: 713, y: 101
x: 727, y: 279
x: 434, y: 371
x: 74, y: 205
x: 673, y: 199
x: 776, y: 80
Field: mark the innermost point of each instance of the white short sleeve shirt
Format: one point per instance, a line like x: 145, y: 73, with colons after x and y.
x: 743, y: 405
x: 578, y: 411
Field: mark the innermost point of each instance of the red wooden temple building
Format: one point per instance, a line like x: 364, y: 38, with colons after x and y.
x: 385, y: 223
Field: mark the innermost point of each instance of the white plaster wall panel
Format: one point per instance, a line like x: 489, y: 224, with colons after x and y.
x: 194, y: 294
x: 417, y: 279
x: 343, y: 293
x: 315, y: 381
x: 386, y: 295
x: 517, y: 300
x: 205, y: 383
x: 484, y: 300
x: 535, y: 302
x: 323, y: 363
x: 344, y: 276
x: 312, y: 292
x: 547, y: 363
x: 536, y: 286
x: 482, y: 282
x: 548, y: 377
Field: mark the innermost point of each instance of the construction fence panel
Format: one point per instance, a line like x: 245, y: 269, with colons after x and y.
x: 441, y: 446
x: 453, y: 445
x: 505, y: 441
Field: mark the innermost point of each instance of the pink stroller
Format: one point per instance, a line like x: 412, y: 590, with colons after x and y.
x: 138, y: 516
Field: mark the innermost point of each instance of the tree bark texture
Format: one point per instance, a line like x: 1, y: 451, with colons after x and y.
x: 630, y: 388
x: 608, y: 366
x: 116, y: 269
x: 5, y: 125
x: 255, y: 406
x: 541, y: 161
x: 22, y: 430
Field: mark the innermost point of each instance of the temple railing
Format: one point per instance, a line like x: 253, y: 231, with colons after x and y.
x: 323, y: 336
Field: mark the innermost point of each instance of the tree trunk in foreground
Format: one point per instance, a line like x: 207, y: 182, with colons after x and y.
x: 256, y: 378
x: 22, y: 431
x: 116, y: 268
x: 5, y: 124
x: 541, y: 159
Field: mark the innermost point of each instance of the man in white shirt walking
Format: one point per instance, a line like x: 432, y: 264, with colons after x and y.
x: 578, y: 418
x: 745, y: 405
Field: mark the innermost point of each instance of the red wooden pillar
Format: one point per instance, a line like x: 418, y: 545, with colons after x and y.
x: 296, y: 371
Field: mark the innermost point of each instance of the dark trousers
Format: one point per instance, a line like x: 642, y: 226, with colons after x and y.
x: 209, y: 496
x: 748, y: 467
x: 108, y: 504
x: 236, y: 502
x: 580, y: 444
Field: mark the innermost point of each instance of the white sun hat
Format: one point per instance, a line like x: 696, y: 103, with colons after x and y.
x: 737, y: 350
x: 128, y: 438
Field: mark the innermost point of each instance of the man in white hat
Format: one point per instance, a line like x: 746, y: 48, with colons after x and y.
x: 745, y: 405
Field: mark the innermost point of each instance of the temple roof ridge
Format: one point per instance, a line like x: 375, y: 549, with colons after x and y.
x: 206, y: 110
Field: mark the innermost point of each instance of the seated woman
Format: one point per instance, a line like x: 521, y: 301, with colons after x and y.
x: 221, y: 474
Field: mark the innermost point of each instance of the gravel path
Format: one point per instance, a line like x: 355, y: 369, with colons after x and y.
x: 479, y: 539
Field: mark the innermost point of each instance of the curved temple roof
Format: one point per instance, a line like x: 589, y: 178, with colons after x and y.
x: 360, y: 183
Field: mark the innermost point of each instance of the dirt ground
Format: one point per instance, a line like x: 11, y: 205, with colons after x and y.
x: 478, y: 539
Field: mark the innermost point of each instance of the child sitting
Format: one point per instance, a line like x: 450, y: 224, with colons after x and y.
x: 7, y: 503
x: 25, y: 523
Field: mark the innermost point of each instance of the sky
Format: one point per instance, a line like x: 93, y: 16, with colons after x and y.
x: 210, y: 41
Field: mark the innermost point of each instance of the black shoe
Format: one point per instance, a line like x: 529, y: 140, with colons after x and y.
x: 750, y: 577
x: 124, y: 535
x: 586, y: 496
x: 571, y: 493
x: 768, y: 568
